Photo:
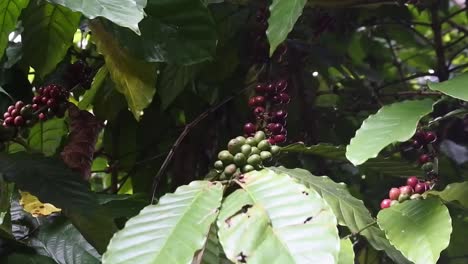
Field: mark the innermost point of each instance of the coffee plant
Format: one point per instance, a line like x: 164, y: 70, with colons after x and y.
x: 233, y: 131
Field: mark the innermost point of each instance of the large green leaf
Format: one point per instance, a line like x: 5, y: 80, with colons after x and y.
x: 272, y: 213
x: 453, y: 192
x: 125, y: 13
x: 283, y: 16
x: 52, y: 182
x: 388, y: 166
x: 10, y: 10
x: 173, y: 81
x: 174, y: 31
x: 134, y: 78
x: 349, y: 210
x: 171, y: 231
x: 48, y: 33
x: 420, y: 229
x: 455, y: 87
x: 47, y: 136
x: 346, y: 252
x: 19, y: 258
x: 213, y: 252
x: 62, y: 242
x: 392, y: 123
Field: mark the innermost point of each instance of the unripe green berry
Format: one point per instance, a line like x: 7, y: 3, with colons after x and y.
x: 230, y: 170
x: 225, y: 157
x: 246, y: 149
x: 416, y: 196
x: 241, y: 140
x: 275, y: 150
x: 427, y: 167
x: 264, y: 145
x: 234, y: 146
x: 248, y: 168
x: 265, y: 155
x: 240, y: 159
x: 254, y: 160
x: 255, y: 150
x: 251, y: 141
x: 403, y: 197
x: 259, y: 136
x: 218, y: 165
x: 26, y: 111
x: 394, y: 202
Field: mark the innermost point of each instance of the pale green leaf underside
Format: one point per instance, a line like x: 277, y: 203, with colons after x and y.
x: 349, y: 210
x: 392, y: 123
x: 10, y: 10
x: 171, y: 231
x: 346, y: 252
x: 420, y: 229
x: 285, y: 218
x: 48, y: 33
x: 283, y: 16
x: 134, y: 78
x: 125, y: 13
x: 455, y: 87
x: 454, y: 192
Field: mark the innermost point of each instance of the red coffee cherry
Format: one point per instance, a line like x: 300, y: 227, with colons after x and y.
x: 385, y: 203
x: 284, y: 98
x: 430, y: 137
x: 281, y: 85
x: 8, y: 121
x: 42, y: 116
x: 424, y: 158
x: 421, y: 188
x: 412, y: 181
x: 259, y: 100
x: 259, y: 111
x: 280, y: 139
x: 11, y: 108
x: 394, y: 193
x: 249, y: 128
x: 406, y: 190
x: 252, y: 102
x: 19, y: 105
x: 260, y: 88
x: 19, y: 121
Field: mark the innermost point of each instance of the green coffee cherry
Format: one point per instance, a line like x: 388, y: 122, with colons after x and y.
x: 251, y: 141
x: 255, y: 150
x: 230, y: 170
x: 26, y: 111
x: 259, y: 136
x: 225, y: 157
x: 240, y: 159
x: 254, y: 160
x: 248, y: 168
x: 234, y: 146
x: 241, y: 139
x: 264, y: 145
x: 427, y: 167
x: 218, y: 165
x: 275, y: 150
x: 403, y: 197
x: 394, y: 202
x: 246, y: 149
x: 265, y: 155
x: 416, y: 196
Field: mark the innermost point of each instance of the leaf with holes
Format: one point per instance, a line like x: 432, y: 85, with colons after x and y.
x: 455, y: 87
x: 171, y: 231
x: 175, y: 31
x: 420, y: 229
x: 125, y: 13
x: 349, y: 210
x: 10, y: 11
x: 457, y: 191
x: 392, y: 123
x: 48, y: 33
x: 134, y: 78
x: 283, y: 16
x: 47, y: 136
x: 272, y: 213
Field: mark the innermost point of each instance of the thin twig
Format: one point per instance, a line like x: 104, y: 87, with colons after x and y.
x: 447, y: 18
x: 409, y: 78
x: 182, y: 136
x: 442, y: 70
x: 360, y: 230
x: 458, y: 27
x: 412, y: 93
x: 394, y: 55
x: 459, y: 67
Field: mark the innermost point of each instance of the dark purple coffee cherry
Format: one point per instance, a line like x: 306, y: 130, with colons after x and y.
x: 19, y: 121
x: 259, y: 101
x: 250, y: 128
x: 19, y: 105
x: 424, y: 158
x: 260, y: 88
x: 280, y: 139
x: 276, y: 128
x: 259, y: 111
x: 420, y: 188
x: 281, y: 85
x: 284, y: 98
x: 8, y: 121
x: 430, y: 137
x: 252, y: 102
x: 280, y: 115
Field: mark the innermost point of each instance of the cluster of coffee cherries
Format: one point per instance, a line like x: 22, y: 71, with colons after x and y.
x: 19, y: 115
x: 260, y: 47
x: 50, y: 101
x: 269, y: 108
x: 411, y: 191
x: 80, y: 73
x: 420, y: 141
x: 245, y: 155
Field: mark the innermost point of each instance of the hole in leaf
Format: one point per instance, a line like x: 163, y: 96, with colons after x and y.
x: 308, y: 219
x: 242, y: 258
x: 304, y: 192
x: 243, y: 210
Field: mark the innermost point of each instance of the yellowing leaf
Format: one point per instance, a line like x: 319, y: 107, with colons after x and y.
x: 33, y: 206
x: 134, y: 78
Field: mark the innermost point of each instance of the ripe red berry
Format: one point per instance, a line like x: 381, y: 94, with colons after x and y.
x: 272, y: 141
x: 420, y: 188
x: 276, y: 128
x: 19, y: 121
x: 36, y: 99
x: 260, y: 88
x: 430, y: 137
x: 11, y: 108
x: 42, y: 116
x: 35, y: 107
x: 394, y: 193
x: 406, y: 190
x: 258, y: 111
x: 280, y: 138
x: 281, y: 114
x: 14, y: 113
x: 270, y: 126
x: 44, y: 99
x: 270, y: 88
x: 424, y: 158
x: 51, y: 103
x: 281, y: 85
x: 420, y: 135
x: 284, y: 97
x: 19, y: 105
x: 252, y: 102
x: 249, y: 128
x: 412, y: 181
x: 6, y: 115
x: 276, y: 99
x: 259, y: 100
x: 416, y: 144
x: 9, y: 121
x: 385, y: 203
